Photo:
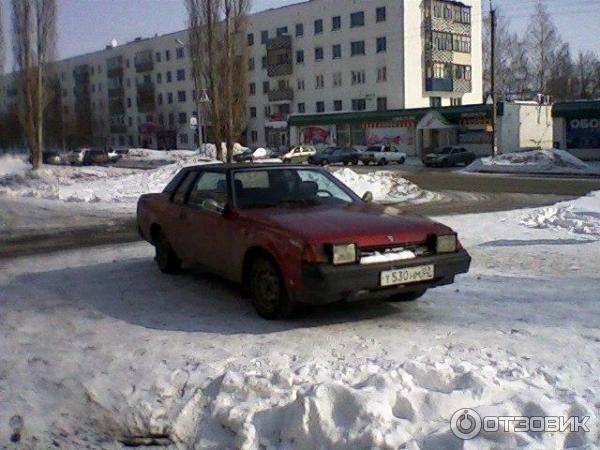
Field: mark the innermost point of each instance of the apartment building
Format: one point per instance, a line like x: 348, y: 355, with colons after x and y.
x: 316, y: 57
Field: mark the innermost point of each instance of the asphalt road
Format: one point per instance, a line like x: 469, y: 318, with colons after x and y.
x: 462, y: 194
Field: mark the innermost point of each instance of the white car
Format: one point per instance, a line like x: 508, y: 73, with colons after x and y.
x: 382, y: 155
x: 299, y: 154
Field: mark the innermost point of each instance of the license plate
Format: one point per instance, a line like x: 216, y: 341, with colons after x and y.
x: 407, y: 276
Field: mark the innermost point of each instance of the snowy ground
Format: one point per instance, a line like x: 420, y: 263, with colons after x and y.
x: 534, y: 162
x: 98, y: 349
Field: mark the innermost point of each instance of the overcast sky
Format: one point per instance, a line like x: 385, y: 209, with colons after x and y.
x: 89, y: 25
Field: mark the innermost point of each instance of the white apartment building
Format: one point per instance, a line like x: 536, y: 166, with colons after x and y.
x: 316, y: 57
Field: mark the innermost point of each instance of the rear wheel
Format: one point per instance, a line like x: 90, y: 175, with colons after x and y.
x: 166, y: 259
x: 407, y: 296
x: 402, y: 160
x: 355, y: 162
x: 269, y: 295
x: 382, y: 162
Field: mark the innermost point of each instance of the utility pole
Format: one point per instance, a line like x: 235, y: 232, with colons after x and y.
x: 493, y: 79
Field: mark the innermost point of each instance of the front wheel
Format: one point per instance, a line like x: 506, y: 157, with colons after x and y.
x: 269, y: 295
x: 382, y: 162
x: 166, y: 259
x: 402, y: 160
x: 407, y: 296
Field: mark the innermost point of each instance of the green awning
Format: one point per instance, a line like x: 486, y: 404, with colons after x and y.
x: 577, y: 110
x: 358, y: 117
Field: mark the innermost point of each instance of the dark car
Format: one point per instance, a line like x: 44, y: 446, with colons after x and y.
x: 335, y: 155
x: 295, y: 234
x: 245, y: 156
x: 449, y: 157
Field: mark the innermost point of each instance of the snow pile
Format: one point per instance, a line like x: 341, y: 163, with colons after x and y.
x: 136, y: 154
x: 386, y: 186
x: 13, y: 165
x: 536, y: 161
x: 581, y: 216
x: 91, y: 184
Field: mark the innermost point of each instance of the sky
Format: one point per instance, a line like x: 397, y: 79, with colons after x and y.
x: 89, y: 25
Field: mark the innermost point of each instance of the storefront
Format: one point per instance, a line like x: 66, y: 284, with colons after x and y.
x: 577, y: 128
x: 413, y: 131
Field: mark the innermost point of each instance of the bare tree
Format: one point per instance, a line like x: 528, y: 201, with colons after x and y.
x: 561, y: 84
x: 2, y: 41
x: 34, y: 41
x: 218, y: 48
x: 543, y: 41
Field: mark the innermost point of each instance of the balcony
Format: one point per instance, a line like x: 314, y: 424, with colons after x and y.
x: 118, y: 128
x: 281, y: 95
x: 116, y: 107
x: 116, y: 92
x: 146, y: 102
x: 279, y: 43
x: 439, y: 85
x: 114, y: 72
x: 81, y: 90
x: 145, y: 87
x: 144, y: 66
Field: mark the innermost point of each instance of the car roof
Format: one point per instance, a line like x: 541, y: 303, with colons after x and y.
x: 235, y: 166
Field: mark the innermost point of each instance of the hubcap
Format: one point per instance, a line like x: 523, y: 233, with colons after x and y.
x: 268, y: 288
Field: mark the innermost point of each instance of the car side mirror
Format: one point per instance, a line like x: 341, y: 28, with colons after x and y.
x: 367, y: 197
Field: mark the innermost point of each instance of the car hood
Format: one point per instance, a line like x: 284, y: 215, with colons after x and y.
x: 367, y: 225
x: 433, y: 156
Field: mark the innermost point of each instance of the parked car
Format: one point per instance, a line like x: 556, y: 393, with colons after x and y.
x: 335, y: 155
x: 299, y: 154
x: 449, y: 157
x: 294, y: 234
x: 382, y: 155
x: 100, y: 156
x: 51, y: 157
x: 76, y: 157
x: 245, y: 156
x: 120, y: 150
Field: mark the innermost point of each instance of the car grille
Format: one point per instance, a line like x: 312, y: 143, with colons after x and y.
x: 420, y: 249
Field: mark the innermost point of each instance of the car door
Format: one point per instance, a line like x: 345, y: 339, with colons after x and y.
x: 203, y: 224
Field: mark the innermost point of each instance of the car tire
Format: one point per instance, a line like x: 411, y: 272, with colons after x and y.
x: 268, y: 292
x: 402, y: 160
x: 407, y: 296
x: 166, y: 259
x: 355, y: 162
x: 382, y: 162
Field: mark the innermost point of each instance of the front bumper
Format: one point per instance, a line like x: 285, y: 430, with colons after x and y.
x: 325, y: 283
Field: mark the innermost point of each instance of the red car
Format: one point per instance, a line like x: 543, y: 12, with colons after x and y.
x: 295, y: 234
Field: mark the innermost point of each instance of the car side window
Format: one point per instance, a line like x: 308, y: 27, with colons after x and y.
x: 209, y: 191
x: 181, y: 192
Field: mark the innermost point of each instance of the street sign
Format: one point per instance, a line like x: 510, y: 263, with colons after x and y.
x: 194, y: 123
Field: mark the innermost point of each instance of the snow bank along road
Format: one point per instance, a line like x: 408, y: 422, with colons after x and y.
x: 98, y: 350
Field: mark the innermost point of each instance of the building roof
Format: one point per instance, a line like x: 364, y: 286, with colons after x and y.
x: 449, y: 112
x: 577, y: 110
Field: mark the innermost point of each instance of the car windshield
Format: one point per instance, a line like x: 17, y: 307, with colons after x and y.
x: 374, y: 149
x: 288, y: 187
x: 445, y: 151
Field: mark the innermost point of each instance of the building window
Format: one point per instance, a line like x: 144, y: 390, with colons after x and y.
x: 299, y: 29
x: 318, y: 26
x: 159, y: 99
x: 337, y: 105
x: 264, y: 36
x: 381, y: 103
x: 170, y: 98
x: 357, y: 48
x: 252, y: 89
x: 359, y: 104
x: 381, y: 44
x: 319, y: 54
x: 462, y: 72
x: 382, y: 74
x: 182, y: 118
x: 158, y: 57
x: 380, y: 14
x: 263, y: 62
x: 455, y: 101
x: 252, y: 112
x: 250, y: 39
x: 169, y: 77
x: 129, y: 102
x: 301, y: 108
x: 337, y: 79
x: 167, y: 56
x: 320, y: 107
x: 183, y: 138
x: 357, y: 19
x: 266, y: 87
x: 180, y: 52
x: 282, y: 31
x: 180, y: 74
x: 358, y: 77
x: 336, y: 23
x: 181, y: 96
x: 267, y: 111
x: 300, y: 57
x: 336, y: 51
x: 250, y: 64
x: 319, y: 82
x: 300, y: 84
x: 435, y: 102
x: 254, y: 136
x: 159, y: 78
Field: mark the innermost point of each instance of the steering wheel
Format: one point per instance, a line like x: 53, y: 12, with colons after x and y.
x: 323, y: 191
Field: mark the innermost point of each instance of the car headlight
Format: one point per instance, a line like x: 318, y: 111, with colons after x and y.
x: 445, y: 243
x: 343, y: 253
